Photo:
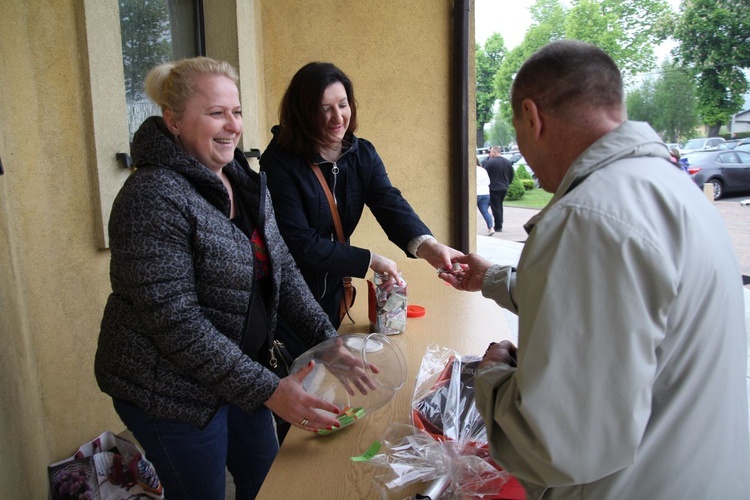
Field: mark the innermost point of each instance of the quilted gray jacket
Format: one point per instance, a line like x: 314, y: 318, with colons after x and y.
x: 181, y: 275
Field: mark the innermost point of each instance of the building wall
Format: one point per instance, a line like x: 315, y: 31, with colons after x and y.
x: 398, y: 56
x: 54, y: 277
x: 740, y: 122
x: 61, y: 122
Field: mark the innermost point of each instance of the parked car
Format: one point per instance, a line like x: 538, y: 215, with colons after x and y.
x: 513, y: 157
x: 727, y: 170
x: 673, y: 145
x: 745, y: 146
x: 704, y: 144
x: 733, y: 143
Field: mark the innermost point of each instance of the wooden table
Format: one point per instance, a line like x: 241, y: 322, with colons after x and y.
x: 319, y: 467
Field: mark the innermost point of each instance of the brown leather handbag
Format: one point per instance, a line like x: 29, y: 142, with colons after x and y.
x: 350, y: 293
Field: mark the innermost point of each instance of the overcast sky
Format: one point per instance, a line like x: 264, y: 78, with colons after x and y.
x: 512, y: 19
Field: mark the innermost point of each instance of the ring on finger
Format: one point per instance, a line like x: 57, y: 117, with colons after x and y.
x: 304, y: 422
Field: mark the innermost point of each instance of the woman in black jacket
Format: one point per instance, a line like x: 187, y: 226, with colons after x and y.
x: 318, y: 118
x: 194, y: 242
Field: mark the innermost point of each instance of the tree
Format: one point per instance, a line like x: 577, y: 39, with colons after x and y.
x: 488, y: 60
x: 714, y: 41
x: 640, y: 102
x: 667, y: 102
x: 626, y: 29
x: 674, y: 99
x: 548, y: 17
x: 146, y: 40
x: 501, y: 133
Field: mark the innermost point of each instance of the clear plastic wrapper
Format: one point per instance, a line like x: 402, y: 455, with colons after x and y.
x: 388, y: 305
x: 359, y: 373
x: 446, y: 447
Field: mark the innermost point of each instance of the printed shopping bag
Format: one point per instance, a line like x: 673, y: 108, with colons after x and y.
x: 107, y: 468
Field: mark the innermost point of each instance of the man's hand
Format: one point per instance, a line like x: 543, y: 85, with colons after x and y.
x: 350, y: 369
x: 502, y: 352
x: 469, y: 275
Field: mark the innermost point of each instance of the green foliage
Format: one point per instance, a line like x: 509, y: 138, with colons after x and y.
x: 640, y: 102
x: 667, y: 102
x: 515, y: 190
x: 500, y: 132
x: 146, y: 40
x: 536, y: 198
x: 528, y: 184
x: 522, y: 173
x: 488, y: 60
x: 675, y: 102
x: 714, y: 41
x: 626, y: 29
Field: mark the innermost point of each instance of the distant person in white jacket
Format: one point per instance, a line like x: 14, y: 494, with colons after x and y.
x: 629, y: 380
x: 483, y: 197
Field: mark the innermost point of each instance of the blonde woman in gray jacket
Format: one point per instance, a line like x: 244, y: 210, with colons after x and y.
x: 194, y: 247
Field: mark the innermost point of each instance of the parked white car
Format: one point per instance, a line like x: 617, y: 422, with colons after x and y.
x: 704, y: 144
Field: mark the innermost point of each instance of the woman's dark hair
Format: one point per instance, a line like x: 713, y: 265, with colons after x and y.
x: 301, y: 117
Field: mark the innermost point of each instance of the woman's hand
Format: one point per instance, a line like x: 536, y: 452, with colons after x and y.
x: 349, y: 369
x: 385, y: 266
x: 469, y: 275
x: 438, y: 255
x: 301, y: 409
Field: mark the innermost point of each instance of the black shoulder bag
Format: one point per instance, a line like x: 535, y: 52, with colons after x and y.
x: 257, y: 340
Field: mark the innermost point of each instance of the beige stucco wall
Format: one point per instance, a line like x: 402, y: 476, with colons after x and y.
x: 234, y: 34
x: 54, y: 278
x: 61, y: 123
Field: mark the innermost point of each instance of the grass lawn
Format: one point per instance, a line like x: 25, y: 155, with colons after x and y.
x: 536, y: 198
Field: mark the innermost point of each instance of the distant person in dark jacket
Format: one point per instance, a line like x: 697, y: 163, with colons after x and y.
x: 501, y: 175
x: 318, y: 118
x: 193, y: 240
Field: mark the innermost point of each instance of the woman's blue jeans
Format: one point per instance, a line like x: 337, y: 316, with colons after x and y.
x: 192, y: 462
x: 483, y: 203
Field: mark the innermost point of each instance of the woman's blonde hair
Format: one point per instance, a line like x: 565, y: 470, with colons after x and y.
x: 170, y: 85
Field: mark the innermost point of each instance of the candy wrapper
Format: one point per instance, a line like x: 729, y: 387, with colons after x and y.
x: 446, y: 447
x: 387, y: 304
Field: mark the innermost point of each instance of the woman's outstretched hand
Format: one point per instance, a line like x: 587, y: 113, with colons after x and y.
x: 301, y: 409
x: 349, y: 369
x: 468, y: 275
x: 438, y: 255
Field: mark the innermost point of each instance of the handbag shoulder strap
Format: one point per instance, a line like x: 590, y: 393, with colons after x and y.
x: 331, y: 202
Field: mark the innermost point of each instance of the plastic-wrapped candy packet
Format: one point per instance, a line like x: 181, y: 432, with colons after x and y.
x: 446, y: 446
x: 388, y: 304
